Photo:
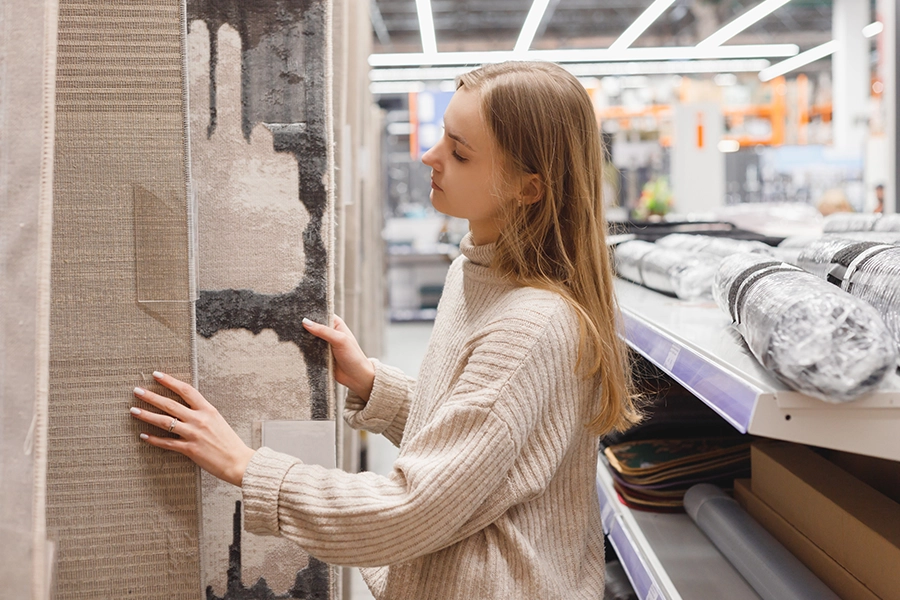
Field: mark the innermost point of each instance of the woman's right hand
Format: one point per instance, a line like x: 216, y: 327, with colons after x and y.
x: 352, y: 368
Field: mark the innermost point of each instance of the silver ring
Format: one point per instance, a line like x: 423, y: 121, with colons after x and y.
x: 173, y: 424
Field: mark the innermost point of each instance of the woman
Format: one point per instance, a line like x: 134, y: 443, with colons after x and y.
x: 493, y: 494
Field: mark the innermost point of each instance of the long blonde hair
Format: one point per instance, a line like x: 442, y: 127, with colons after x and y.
x: 543, y: 121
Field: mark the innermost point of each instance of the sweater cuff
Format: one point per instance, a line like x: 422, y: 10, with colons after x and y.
x: 261, y: 488
x: 389, y: 395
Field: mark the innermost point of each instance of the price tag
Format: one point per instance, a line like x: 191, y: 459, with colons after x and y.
x: 674, y: 351
x: 605, y: 513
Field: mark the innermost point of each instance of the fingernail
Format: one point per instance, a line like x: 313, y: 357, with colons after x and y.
x: 139, y: 391
x: 144, y: 436
x: 135, y: 410
x: 307, y: 321
x: 157, y: 374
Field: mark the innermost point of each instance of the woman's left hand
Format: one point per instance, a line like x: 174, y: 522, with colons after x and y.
x: 203, y: 434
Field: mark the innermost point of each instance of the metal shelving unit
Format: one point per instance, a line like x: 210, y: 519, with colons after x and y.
x: 666, y: 555
x: 696, y: 345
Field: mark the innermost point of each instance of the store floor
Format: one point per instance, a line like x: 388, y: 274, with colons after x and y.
x: 405, y: 345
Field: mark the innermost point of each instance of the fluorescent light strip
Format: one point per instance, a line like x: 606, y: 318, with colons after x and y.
x: 795, y: 62
x: 422, y: 74
x: 532, y: 22
x: 758, y: 12
x: 873, y: 29
x: 641, y: 24
x: 426, y: 27
x: 585, y: 55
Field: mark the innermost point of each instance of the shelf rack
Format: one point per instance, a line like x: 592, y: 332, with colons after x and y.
x: 666, y: 556
x: 696, y: 345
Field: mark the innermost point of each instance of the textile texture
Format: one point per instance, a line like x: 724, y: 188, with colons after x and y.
x: 261, y: 159
x: 26, y: 162
x: 124, y: 514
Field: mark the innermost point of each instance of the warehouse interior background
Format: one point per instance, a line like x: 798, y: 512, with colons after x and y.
x: 706, y: 107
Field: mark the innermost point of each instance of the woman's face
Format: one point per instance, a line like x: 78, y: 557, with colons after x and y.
x: 465, y: 169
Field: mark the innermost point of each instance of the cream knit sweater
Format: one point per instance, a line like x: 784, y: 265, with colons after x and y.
x: 493, y: 494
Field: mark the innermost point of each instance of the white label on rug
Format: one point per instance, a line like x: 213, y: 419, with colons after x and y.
x: 311, y: 441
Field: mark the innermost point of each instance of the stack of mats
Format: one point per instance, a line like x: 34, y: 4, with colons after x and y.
x: 653, y: 475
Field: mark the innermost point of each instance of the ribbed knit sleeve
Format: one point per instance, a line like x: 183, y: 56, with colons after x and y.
x: 364, y: 519
x: 451, y: 474
x: 388, y: 406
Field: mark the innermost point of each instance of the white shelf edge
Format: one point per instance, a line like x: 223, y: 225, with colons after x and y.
x: 742, y: 393
x: 732, y: 397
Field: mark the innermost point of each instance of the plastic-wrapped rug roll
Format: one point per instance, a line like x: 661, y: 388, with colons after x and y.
x: 839, y: 222
x: 888, y: 223
x: 867, y: 270
x: 628, y: 257
x: 720, y: 246
x: 687, y: 275
x: 815, y: 337
x: 772, y: 571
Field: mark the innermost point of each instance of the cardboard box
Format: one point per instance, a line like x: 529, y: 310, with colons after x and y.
x: 881, y: 473
x: 850, y: 521
x: 826, y: 568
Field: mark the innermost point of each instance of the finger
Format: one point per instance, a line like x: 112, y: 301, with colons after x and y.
x: 340, y: 325
x: 164, y: 422
x: 321, y: 331
x: 176, y: 409
x: 187, y: 392
x: 166, y: 443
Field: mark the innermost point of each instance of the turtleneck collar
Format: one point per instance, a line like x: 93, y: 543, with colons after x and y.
x: 478, y: 255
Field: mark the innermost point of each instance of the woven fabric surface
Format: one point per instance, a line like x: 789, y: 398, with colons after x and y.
x: 27, y: 64
x: 262, y: 170
x: 124, y: 514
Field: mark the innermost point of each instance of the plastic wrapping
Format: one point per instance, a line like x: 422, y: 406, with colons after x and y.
x: 719, y: 246
x: 839, y: 222
x: 815, y: 337
x: 687, y: 275
x: 768, y: 567
x: 867, y: 270
x: 888, y: 223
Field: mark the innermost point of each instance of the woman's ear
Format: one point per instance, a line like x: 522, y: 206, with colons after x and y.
x: 532, y: 189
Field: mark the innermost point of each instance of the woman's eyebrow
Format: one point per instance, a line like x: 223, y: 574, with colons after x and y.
x: 458, y: 138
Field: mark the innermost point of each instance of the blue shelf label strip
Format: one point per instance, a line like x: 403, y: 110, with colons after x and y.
x: 732, y: 398
x: 635, y: 567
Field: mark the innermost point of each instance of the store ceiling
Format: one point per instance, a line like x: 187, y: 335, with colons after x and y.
x: 466, y: 25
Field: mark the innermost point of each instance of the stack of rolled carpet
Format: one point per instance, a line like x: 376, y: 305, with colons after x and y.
x: 814, y: 336
x: 680, y: 273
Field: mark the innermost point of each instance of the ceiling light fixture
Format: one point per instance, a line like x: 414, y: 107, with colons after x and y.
x: 532, y: 22
x: 421, y: 74
x: 873, y: 29
x: 757, y: 13
x: 641, y: 24
x: 593, y: 55
x: 795, y: 62
x: 426, y: 27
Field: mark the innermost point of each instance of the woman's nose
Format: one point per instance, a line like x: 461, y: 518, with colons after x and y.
x: 429, y: 157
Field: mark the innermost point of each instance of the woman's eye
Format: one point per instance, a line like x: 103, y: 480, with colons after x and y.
x: 458, y: 157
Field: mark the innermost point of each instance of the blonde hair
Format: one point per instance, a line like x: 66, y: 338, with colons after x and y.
x: 543, y: 122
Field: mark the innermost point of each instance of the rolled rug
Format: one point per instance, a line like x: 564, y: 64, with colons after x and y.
x: 719, y: 246
x: 867, y: 270
x: 770, y: 569
x: 687, y: 275
x: 812, y: 335
x: 843, y: 221
x: 888, y: 223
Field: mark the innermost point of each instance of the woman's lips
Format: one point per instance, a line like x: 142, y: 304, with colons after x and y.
x: 435, y: 186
